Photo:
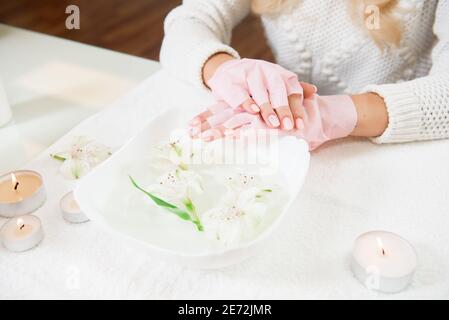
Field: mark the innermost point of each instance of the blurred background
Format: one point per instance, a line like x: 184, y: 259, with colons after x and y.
x: 130, y: 26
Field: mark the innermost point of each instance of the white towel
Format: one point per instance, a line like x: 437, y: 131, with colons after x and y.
x: 352, y: 187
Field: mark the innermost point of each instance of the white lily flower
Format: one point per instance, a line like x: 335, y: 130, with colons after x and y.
x: 177, y: 186
x: 177, y: 152
x: 74, y: 168
x: 82, y: 155
x: 238, y: 219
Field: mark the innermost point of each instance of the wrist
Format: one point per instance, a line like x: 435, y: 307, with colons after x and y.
x: 213, y: 63
x: 372, y: 115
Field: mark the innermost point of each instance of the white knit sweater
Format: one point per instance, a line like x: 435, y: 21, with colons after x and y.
x: 319, y: 41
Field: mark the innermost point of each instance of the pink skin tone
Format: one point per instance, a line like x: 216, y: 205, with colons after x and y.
x: 240, y: 104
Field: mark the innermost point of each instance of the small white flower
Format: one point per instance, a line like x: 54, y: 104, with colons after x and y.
x: 177, y: 186
x: 177, y: 152
x: 238, y: 219
x: 81, y: 156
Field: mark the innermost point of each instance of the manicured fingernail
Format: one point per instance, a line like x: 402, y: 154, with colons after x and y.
x: 287, y: 124
x: 255, y: 108
x: 194, y: 121
x: 274, y: 120
x: 207, y: 137
x: 299, y: 124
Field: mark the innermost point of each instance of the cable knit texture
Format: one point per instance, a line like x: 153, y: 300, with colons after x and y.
x: 320, y: 43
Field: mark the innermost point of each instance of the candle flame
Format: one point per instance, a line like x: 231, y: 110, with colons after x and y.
x: 14, y: 182
x: 20, y: 223
x: 381, y: 245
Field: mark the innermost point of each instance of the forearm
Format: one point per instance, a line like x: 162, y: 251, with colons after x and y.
x: 372, y: 115
x: 197, y: 30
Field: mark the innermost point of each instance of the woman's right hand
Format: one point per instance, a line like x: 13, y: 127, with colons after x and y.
x: 258, y: 86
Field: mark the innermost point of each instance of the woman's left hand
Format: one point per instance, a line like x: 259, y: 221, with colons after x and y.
x: 221, y: 119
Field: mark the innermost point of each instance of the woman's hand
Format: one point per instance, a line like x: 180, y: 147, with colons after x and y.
x: 220, y: 119
x: 325, y: 118
x: 258, y: 86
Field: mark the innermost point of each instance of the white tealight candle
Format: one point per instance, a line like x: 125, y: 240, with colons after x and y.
x: 383, y: 261
x: 70, y: 209
x: 5, y: 110
x: 22, y: 233
x: 21, y: 192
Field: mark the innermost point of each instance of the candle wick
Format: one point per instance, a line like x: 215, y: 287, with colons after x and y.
x: 22, y: 226
x: 16, y: 185
x: 383, y: 251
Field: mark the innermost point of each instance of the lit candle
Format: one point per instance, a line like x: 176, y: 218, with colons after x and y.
x: 5, y: 110
x: 21, y: 192
x: 383, y: 261
x: 22, y: 233
x: 71, y: 210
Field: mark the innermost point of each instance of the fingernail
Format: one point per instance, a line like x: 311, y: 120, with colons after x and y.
x: 287, y: 124
x: 194, y: 121
x: 316, y: 88
x: 274, y: 120
x: 299, y: 124
x: 207, y: 137
x: 255, y: 108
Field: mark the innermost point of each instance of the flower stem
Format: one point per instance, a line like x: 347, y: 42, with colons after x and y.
x: 192, y: 211
x: 190, y: 215
x: 57, y: 157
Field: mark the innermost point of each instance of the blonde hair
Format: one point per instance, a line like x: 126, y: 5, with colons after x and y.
x: 388, y: 33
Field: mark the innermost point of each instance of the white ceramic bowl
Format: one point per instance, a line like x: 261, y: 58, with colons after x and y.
x: 107, y: 197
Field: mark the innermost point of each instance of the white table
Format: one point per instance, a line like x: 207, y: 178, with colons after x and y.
x: 52, y: 84
x: 352, y: 187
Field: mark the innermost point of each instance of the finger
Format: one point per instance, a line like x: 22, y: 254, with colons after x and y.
x: 200, y: 118
x: 239, y: 120
x: 279, y: 100
x: 218, y: 107
x: 250, y: 106
x: 269, y: 115
x: 234, y: 95
x: 277, y: 92
x: 257, y: 87
x: 293, y: 86
x: 195, y: 131
x: 308, y: 89
x: 213, y: 109
x: 286, y: 117
x: 219, y: 118
x: 216, y: 133
x: 297, y: 109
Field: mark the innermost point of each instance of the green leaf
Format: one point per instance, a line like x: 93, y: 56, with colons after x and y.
x: 58, y: 157
x: 168, y: 206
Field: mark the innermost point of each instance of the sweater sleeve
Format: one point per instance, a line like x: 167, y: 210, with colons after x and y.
x: 419, y: 109
x: 195, y: 31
